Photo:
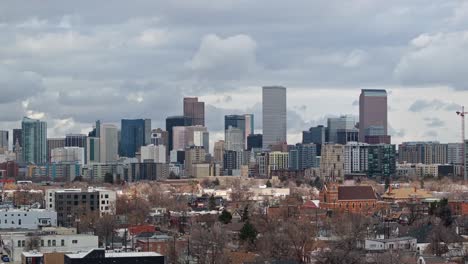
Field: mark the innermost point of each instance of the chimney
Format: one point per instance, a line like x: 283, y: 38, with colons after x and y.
x: 415, y: 189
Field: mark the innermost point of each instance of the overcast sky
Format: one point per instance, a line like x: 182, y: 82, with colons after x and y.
x: 72, y: 62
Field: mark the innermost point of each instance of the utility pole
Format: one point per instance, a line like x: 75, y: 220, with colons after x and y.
x: 462, y: 115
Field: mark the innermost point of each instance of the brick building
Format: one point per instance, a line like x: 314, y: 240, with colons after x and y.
x: 355, y: 199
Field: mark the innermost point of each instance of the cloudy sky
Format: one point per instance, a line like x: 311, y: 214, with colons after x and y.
x: 72, y: 62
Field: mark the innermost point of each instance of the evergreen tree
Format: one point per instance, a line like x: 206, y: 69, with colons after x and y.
x: 248, y: 233
x: 212, y: 203
x: 268, y: 184
x: 245, y: 214
x: 387, y: 183
x: 225, y: 217
x: 216, y: 182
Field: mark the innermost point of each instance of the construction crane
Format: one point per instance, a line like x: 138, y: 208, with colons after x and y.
x: 462, y: 114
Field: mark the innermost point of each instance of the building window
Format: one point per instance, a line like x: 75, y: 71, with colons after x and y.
x: 54, y: 243
x: 49, y: 243
x: 42, y: 242
x: 19, y: 222
x: 74, y: 241
x: 23, y: 243
x: 62, y: 243
x: 106, y: 196
x: 19, y: 243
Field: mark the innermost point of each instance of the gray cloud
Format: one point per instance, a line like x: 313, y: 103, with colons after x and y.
x: 436, y: 104
x: 434, y: 122
x: 75, y: 64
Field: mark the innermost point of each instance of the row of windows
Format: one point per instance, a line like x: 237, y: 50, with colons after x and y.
x: 14, y: 215
x: 12, y: 221
x: 50, y: 243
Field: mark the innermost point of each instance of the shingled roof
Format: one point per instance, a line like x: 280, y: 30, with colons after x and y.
x: 348, y: 193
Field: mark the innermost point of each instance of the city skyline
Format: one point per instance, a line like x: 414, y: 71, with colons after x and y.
x: 70, y: 65
x: 294, y: 133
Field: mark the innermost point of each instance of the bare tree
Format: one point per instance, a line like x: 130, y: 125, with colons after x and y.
x: 287, y: 240
x: 348, y: 232
x: 207, y: 244
x: 105, y: 228
x: 33, y: 243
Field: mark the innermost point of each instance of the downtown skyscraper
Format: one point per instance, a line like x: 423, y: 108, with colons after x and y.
x: 34, y: 139
x: 274, y: 115
x: 134, y: 134
x: 194, y: 110
x: 373, y: 116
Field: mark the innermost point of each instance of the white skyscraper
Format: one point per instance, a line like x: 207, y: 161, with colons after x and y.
x: 274, y: 115
x: 156, y: 153
x: 68, y: 154
x: 108, y: 143
x: 234, y: 139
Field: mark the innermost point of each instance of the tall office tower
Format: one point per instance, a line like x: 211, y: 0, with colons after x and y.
x: 53, y: 143
x: 232, y: 161
x: 249, y: 127
x: 194, y: 110
x: 381, y: 161
x: 243, y: 122
x: 4, y: 139
x: 356, y: 157
x: 159, y: 137
x: 339, y: 126
x: 155, y: 153
x: 179, y: 137
x: 303, y: 156
x: 430, y: 152
x: 201, y: 139
x: 234, y: 139
x: 17, y: 137
x: 75, y: 140
x: 34, y: 139
x: 455, y: 153
x: 274, y: 115
x: 218, y: 151
x: 373, y: 113
x: 68, y: 154
x: 190, y: 135
x: 108, y: 143
x: 317, y: 135
x: 278, y: 160
x: 185, y: 136
x: 134, y: 134
x: 235, y: 121
x: 332, y: 162
x: 254, y: 141
x: 93, y: 150
x: 96, y: 129
x: 174, y: 121
x: 193, y: 155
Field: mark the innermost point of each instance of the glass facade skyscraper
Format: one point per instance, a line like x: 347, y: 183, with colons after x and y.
x: 134, y: 134
x: 274, y: 115
x: 34, y: 139
x: 174, y: 121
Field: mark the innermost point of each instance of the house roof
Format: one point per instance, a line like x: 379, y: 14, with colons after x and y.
x: 310, y: 205
x: 361, y: 192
